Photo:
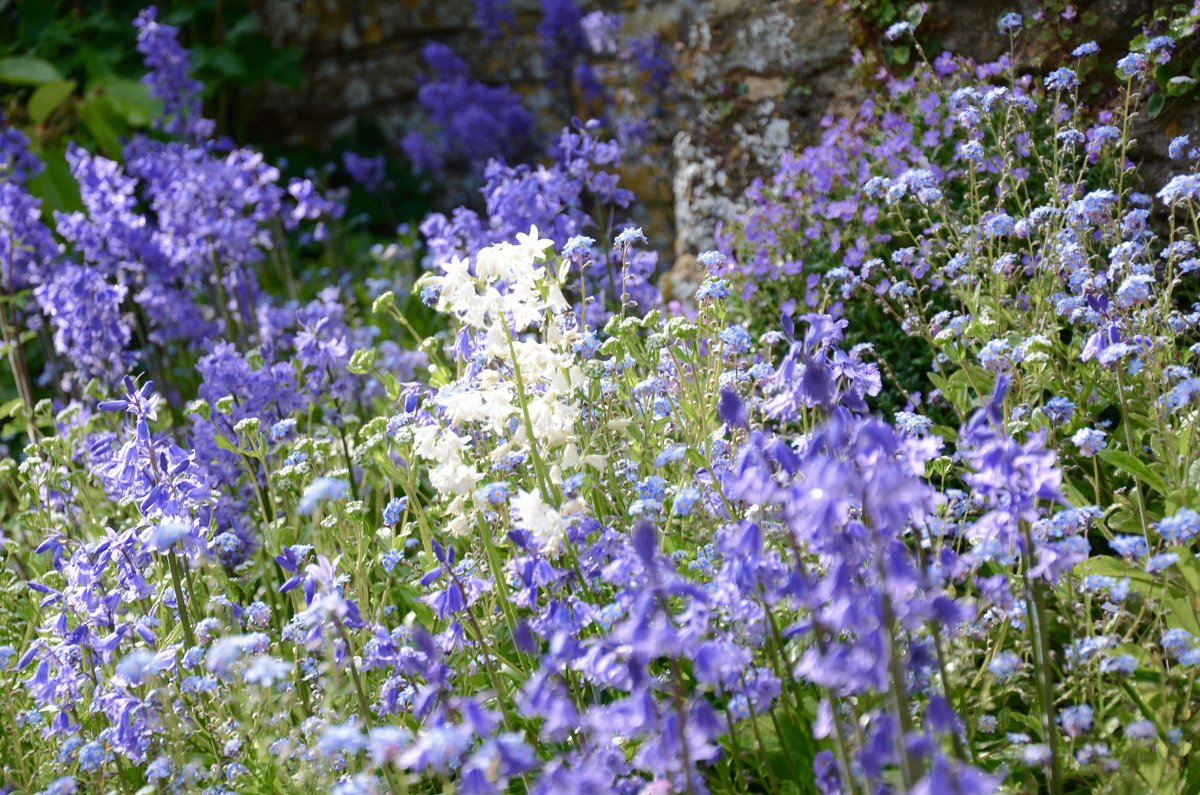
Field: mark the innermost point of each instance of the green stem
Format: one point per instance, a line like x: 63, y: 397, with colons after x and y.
x: 180, y: 602
x: 1040, y: 635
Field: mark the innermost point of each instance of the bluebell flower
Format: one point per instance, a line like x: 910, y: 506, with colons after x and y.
x: 168, y: 80
x: 731, y: 410
x: 948, y: 775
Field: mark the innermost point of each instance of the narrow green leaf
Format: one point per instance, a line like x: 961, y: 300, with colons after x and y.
x: 225, y: 444
x: 47, y: 97
x: 26, y: 71
x: 1122, y: 460
x: 1156, y: 104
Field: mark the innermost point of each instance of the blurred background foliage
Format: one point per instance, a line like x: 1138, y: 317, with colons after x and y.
x: 70, y: 71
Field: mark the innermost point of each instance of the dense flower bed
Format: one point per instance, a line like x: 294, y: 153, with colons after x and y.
x: 517, y: 526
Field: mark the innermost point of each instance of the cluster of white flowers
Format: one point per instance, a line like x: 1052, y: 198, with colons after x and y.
x: 521, y: 387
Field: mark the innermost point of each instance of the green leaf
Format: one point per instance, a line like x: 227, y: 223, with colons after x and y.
x: 47, y: 97
x: 1192, y: 785
x: 105, y: 126
x: 1136, y: 467
x: 9, y: 408
x: 1116, y: 567
x: 391, y: 385
x: 1156, y: 104
x: 223, y: 61
x: 1181, y: 614
x: 1180, y: 85
x: 225, y: 444
x: 1122, y: 516
x: 1075, y: 494
x: 131, y: 100
x: 55, y: 186
x: 246, y: 24
x: 26, y: 71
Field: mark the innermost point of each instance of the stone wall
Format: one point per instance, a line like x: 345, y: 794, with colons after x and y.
x: 760, y: 75
x: 757, y: 77
x: 750, y: 72
x: 363, y: 58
